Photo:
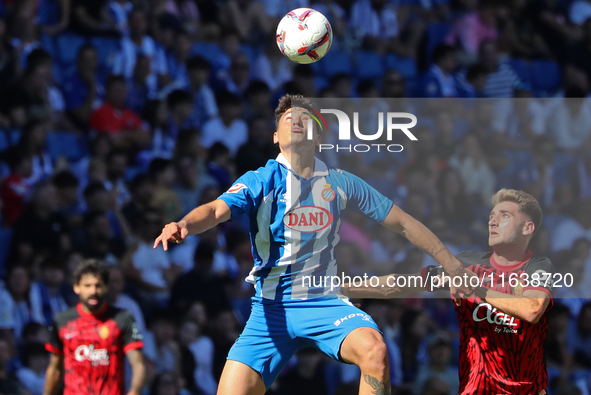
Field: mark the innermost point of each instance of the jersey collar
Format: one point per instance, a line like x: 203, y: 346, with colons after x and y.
x: 513, y: 267
x: 320, y: 168
x: 97, y: 314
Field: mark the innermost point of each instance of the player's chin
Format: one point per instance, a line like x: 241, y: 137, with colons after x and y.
x: 93, y: 303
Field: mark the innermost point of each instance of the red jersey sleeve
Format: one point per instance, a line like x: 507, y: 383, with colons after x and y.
x: 132, y: 337
x: 54, y: 345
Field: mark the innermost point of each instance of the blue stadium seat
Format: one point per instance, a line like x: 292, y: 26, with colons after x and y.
x: 209, y: 51
x: 335, y: 62
x: 68, y: 45
x: 107, y: 48
x: 436, y: 33
x: 406, y: 66
x: 521, y: 67
x: 65, y: 144
x: 369, y: 65
x: 546, y: 76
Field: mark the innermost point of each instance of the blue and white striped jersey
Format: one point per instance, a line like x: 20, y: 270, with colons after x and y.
x: 294, y: 224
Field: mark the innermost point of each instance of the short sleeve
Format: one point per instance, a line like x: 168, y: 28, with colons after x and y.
x: 244, y: 195
x: 366, y: 198
x: 132, y: 337
x: 54, y: 345
x: 540, y: 274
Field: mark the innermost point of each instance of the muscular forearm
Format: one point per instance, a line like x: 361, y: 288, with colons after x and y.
x: 203, y: 218
x: 138, y: 378
x: 389, y: 287
x: 526, y: 308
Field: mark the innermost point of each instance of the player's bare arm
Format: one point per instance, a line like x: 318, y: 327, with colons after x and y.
x: 418, y: 234
x: 53, y: 375
x: 138, y: 369
x: 197, y: 221
x: 387, y: 288
x: 529, y: 307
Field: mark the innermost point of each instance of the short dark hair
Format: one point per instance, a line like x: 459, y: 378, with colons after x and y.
x: 157, y: 166
x: 138, y: 181
x: 91, y: 266
x: 114, y: 79
x: 197, y: 63
x: 441, y: 51
x: 36, y: 58
x: 285, y: 103
x: 178, y: 96
x: 257, y: 86
x: 65, y: 179
x: 227, y: 98
x: 92, y: 188
x: 303, y: 70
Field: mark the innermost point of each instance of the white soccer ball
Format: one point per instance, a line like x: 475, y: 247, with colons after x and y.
x: 304, y: 35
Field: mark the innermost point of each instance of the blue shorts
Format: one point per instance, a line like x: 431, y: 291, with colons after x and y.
x: 275, y: 331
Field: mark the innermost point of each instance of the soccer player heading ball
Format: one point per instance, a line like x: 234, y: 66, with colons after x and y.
x: 286, y: 315
x: 88, y: 341
x: 503, y: 326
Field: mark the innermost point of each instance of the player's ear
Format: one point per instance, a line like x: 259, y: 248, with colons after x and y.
x: 318, y: 139
x: 275, y: 138
x: 76, y: 289
x: 528, y: 228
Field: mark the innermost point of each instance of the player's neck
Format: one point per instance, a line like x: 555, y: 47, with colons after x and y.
x: 509, y: 255
x: 302, y: 163
x: 88, y: 311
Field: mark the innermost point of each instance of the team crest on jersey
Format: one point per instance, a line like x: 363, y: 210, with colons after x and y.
x: 103, y: 332
x: 308, y: 219
x: 328, y: 193
x: 518, y: 290
x: 236, y: 188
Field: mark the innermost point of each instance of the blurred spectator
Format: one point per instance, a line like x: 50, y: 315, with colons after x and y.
x: 436, y: 386
x: 439, y: 81
x: 471, y: 85
x: 573, y: 262
x: 92, y: 18
x: 32, y: 375
x: 189, y: 183
x: 578, y: 339
x: 66, y: 185
x: 302, y: 83
x: 188, y: 13
x: 551, y: 21
x: 33, y: 142
x: 180, y: 106
x: 200, y: 284
x: 478, y: 177
x: 40, y: 230
x: 155, y: 116
x: 118, y: 13
x: 228, y: 128
x: 414, y: 327
x: 25, y: 37
x: 177, y: 58
x: 47, y: 291
x: 452, y: 201
x: 556, y: 351
x: 501, y: 78
x: 259, y: 148
x: 166, y: 350
x: 99, y: 199
x: 580, y: 53
x: 100, y: 243
x: 118, y: 298
x: 258, y: 97
x: 24, y: 310
x: 35, y: 332
x: 579, y: 173
x: 245, y: 16
x: 140, y: 87
x: 272, y: 67
x: 164, y: 199
x: 114, y: 119
x: 137, y: 43
x: 219, y: 165
x: 8, y: 56
x: 166, y: 383
x: 28, y: 98
x: 238, y: 77
x: 225, y: 331
x: 393, y: 84
x: 204, y: 105
x: 117, y: 163
x: 142, y: 194
x: 84, y: 90
x: 473, y: 29
x: 15, y: 191
x: 201, y: 349
x: 308, y: 376
x: 9, y: 383
x: 151, y: 269
x: 580, y: 12
x: 569, y: 125
x: 440, y: 351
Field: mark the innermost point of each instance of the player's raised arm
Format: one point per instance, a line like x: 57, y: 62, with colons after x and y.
x: 197, y: 221
x: 54, y: 373
x: 400, y: 222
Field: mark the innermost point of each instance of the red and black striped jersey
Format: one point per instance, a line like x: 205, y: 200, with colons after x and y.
x: 501, y: 354
x: 94, y: 346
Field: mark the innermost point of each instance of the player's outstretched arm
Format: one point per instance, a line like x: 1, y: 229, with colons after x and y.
x: 418, y: 234
x: 529, y: 307
x: 197, y: 221
x: 138, y: 371
x: 53, y: 375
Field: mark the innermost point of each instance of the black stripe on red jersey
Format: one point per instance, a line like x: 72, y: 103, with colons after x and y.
x: 500, y: 354
x: 94, y: 346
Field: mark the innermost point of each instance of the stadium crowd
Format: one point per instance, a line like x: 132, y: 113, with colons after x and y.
x: 119, y: 116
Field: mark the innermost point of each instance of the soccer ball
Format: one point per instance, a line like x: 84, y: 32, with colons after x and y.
x: 304, y: 35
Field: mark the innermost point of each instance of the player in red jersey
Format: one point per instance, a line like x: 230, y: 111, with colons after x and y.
x: 501, y: 337
x: 88, y: 341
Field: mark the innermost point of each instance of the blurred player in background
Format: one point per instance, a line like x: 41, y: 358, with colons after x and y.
x: 294, y: 205
x: 501, y: 337
x: 88, y: 341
